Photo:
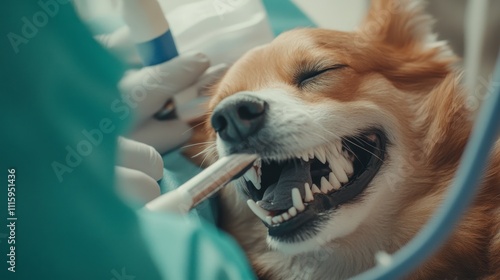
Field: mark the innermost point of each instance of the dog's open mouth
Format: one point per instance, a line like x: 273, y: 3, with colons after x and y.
x: 290, y: 196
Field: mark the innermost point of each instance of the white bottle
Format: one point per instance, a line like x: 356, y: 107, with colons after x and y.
x: 222, y: 29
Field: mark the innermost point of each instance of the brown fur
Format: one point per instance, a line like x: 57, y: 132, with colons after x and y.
x: 390, y: 65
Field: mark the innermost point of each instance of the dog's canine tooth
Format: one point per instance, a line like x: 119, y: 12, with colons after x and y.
x: 315, y: 189
x: 325, y: 185
x: 339, y: 172
x: 251, y: 175
x: 277, y: 219
x: 320, y: 154
x: 297, y: 200
x: 292, y: 211
x: 347, y: 166
x: 257, y: 210
x: 333, y: 181
x: 332, y: 156
x: 269, y: 220
x: 309, y: 195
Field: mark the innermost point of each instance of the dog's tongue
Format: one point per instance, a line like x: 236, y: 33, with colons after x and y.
x: 294, y: 174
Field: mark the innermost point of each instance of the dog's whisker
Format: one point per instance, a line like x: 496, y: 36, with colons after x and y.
x: 196, y: 144
x: 195, y: 126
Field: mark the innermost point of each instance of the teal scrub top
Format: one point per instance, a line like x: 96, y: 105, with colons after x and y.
x: 58, y: 139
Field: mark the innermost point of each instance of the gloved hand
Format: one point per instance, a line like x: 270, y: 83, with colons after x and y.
x: 139, y: 167
x: 145, y: 91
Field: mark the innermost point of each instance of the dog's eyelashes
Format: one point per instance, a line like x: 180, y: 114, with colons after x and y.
x: 306, y: 76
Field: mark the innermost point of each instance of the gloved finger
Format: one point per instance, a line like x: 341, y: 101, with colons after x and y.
x: 198, y: 89
x: 136, y: 186
x: 120, y: 43
x: 211, y: 76
x: 162, y: 135
x: 151, y: 86
x: 140, y: 156
x: 190, y: 103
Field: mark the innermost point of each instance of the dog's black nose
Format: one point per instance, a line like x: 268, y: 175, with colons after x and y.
x: 235, y: 119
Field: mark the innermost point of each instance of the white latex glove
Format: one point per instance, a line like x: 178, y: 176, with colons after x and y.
x: 145, y: 92
x: 139, y: 167
x: 181, y: 79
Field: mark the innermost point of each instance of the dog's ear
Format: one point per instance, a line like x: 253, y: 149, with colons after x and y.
x: 398, y: 36
x: 402, y: 24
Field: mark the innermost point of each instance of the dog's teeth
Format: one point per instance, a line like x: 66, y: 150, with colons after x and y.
x: 269, y: 220
x: 347, y: 166
x: 329, y: 158
x: 305, y: 157
x: 292, y: 211
x: 332, y: 156
x: 251, y: 175
x: 309, y: 195
x: 277, y: 219
x: 297, y: 200
x: 320, y: 154
x: 315, y: 189
x: 325, y: 185
x: 285, y: 216
x: 257, y: 210
x: 339, y: 172
x: 333, y: 181
x: 338, y: 146
x: 311, y: 154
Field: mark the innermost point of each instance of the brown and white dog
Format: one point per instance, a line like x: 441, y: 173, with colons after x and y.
x: 360, y: 135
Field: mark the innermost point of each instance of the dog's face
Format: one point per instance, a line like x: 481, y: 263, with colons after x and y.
x: 328, y: 113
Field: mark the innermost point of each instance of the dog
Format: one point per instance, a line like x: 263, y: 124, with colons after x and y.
x: 360, y: 135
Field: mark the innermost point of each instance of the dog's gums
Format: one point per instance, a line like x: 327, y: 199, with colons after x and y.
x: 289, y: 195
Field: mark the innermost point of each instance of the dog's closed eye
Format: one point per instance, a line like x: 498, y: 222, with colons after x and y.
x: 306, y: 76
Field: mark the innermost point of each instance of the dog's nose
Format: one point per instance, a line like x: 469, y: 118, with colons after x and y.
x: 238, y: 118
